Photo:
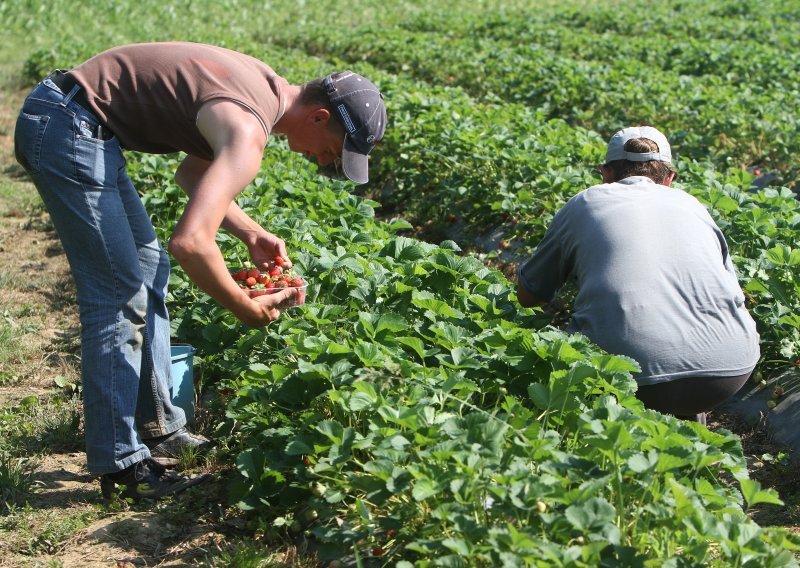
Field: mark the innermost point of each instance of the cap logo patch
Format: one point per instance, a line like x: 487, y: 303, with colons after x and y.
x: 348, y: 122
x: 370, y: 139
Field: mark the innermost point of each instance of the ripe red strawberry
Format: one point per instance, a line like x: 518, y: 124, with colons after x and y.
x: 279, y: 261
x: 241, y: 275
x: 275, y: 271
x: 269, y: 285
x: 296, y: 282
x: 250, y: 281
x: 253, y: 273
x: 262, y: 278
x: 280, y: 283
x: 377, y: 551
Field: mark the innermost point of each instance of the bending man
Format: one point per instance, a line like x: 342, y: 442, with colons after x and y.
x: 220, y: 107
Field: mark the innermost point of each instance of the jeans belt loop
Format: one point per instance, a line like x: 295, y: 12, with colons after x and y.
x: 71, y: 89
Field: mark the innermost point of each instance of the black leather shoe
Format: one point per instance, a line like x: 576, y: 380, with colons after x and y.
x: 146, y: 480
x: 170, y: 446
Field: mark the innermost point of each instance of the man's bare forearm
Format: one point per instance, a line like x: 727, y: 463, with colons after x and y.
x: 239, y: 224
x: 236, y: 221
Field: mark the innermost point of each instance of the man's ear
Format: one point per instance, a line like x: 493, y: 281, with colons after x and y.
x: 319, y: 116
x: 607, y: 173
x: 670, y: 178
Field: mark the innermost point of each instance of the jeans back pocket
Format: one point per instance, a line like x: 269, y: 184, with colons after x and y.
x: 28, y: 137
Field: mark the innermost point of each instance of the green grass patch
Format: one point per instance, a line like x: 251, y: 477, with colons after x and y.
x: 18, y: 281
x: 17, y: 197
x: 11, y: 349
x: 52, y: 426
x: 8, y: 378
x: 16, y: 481
x: 46, y: 532
x: 254, y: 554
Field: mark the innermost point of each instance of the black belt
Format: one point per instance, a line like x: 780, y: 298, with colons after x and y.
x: 66, y: 82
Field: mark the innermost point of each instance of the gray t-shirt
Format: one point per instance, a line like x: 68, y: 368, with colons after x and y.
x: 654, y: 278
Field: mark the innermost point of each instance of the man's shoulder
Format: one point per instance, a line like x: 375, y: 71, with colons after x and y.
x: 600, y: 196
x: 591, y: 192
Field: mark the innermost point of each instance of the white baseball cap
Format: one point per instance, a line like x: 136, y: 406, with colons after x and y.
x: 616, y: 146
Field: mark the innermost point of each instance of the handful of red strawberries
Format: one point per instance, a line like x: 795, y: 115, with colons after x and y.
x: 274, y: 279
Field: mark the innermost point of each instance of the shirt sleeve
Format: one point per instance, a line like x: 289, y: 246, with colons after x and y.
x: 544, y: 273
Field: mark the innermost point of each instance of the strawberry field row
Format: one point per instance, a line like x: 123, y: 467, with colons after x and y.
x: 764, y: 65
x: 708, y: 117
x: 470, y: 167
x: 769, y: 22
x: 411, y: 412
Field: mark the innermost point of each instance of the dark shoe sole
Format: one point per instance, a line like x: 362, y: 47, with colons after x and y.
x: 137, y: 491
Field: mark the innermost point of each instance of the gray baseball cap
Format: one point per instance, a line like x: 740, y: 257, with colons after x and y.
x: 616, y: 146
x: 359, y: 106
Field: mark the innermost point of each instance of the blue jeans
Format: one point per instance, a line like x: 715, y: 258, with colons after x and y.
x: 120, y: 271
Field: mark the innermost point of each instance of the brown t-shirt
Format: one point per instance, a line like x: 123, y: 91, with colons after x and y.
x: 149, y: 94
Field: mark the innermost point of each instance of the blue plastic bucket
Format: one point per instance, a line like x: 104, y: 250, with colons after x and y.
x: 182, y: 370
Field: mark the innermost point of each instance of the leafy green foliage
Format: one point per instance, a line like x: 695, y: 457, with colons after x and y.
x: 411, y: 409
x: 577, y: 67
x: 16, y: 480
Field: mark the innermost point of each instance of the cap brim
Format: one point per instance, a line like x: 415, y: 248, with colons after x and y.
x: 355, y: 165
